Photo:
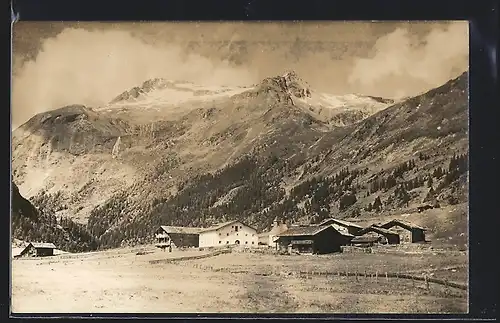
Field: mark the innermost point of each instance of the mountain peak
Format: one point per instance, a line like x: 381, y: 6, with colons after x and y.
x: 289, y: 83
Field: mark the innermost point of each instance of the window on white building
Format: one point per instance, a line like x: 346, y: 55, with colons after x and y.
x: 220, y: 242
x: 252, y: 242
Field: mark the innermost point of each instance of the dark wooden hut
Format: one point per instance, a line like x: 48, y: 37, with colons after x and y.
x: 170, y: 236
x: 409, y: 232
x: 37, y: 249
x: 312, y: 239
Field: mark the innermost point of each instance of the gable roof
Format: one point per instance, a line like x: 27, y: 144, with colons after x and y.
x: 17, y: 251
x: 181, y: 230
x: 309, y: 230
x: 341, y: 222
x: 224, y: 224
x: 403, y: 224
x: 42, y: 245
x: 377, y: 229
x: 36, y: 245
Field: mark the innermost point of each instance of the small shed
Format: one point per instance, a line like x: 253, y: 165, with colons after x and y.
x: 341, y: 225
x: 37, y: 249
x: 383, y: 236
x: 409, y: 232
x: 313, y: 239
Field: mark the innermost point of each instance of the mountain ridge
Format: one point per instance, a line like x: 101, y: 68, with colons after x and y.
x: 295, y: 164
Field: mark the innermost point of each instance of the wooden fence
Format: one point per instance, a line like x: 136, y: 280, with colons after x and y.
x: 170, y: 260
x: 312, y: 273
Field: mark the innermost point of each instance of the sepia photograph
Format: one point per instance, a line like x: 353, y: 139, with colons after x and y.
x: 240, y: 167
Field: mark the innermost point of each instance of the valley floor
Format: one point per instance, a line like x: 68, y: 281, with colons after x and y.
x: 120, y: 281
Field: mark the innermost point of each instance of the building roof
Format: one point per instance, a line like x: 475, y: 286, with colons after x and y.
x: 403, y: 224
x: 309, y: 230
x: 224, y: 224
x: 181, y: 230
x: 17, y: 251
x: 341, y: 222
x: 377, y: 229
x: 278, y: 229
x: 42, y: 245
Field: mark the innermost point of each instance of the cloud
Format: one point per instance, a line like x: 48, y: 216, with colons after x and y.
x: 405, y: 63
x: 57, y: 65
x: 92, y: 67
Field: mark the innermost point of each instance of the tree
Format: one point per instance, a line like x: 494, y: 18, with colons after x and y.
x: 429, y: 182
x: 347, y: 200
x: 377, y: 204
x: 405, y: 197
x: 369, y: 207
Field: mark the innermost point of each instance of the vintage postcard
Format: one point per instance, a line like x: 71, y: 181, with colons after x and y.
x: 211, y: 167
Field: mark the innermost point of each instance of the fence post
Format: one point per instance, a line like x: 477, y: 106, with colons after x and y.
x: 386, y: 277
x: 426, y: 282
x: 356, y: 274
x: 376, y: 276
x: 413, y: 282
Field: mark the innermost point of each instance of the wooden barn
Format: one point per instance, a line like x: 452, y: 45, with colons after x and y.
x: 342, y: 226
x: 409, y: 233
x: 170, y: 236
x: 312, y: 239
x: 36, y: 249
x: 380, y: 235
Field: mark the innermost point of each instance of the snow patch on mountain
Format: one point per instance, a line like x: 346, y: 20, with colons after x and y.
x: 160, y: 93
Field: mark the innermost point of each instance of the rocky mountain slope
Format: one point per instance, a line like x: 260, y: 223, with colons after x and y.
x: 177, y: 153
x: 40, y: 224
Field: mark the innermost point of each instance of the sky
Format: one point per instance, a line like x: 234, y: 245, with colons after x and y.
x: 57, y: 63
